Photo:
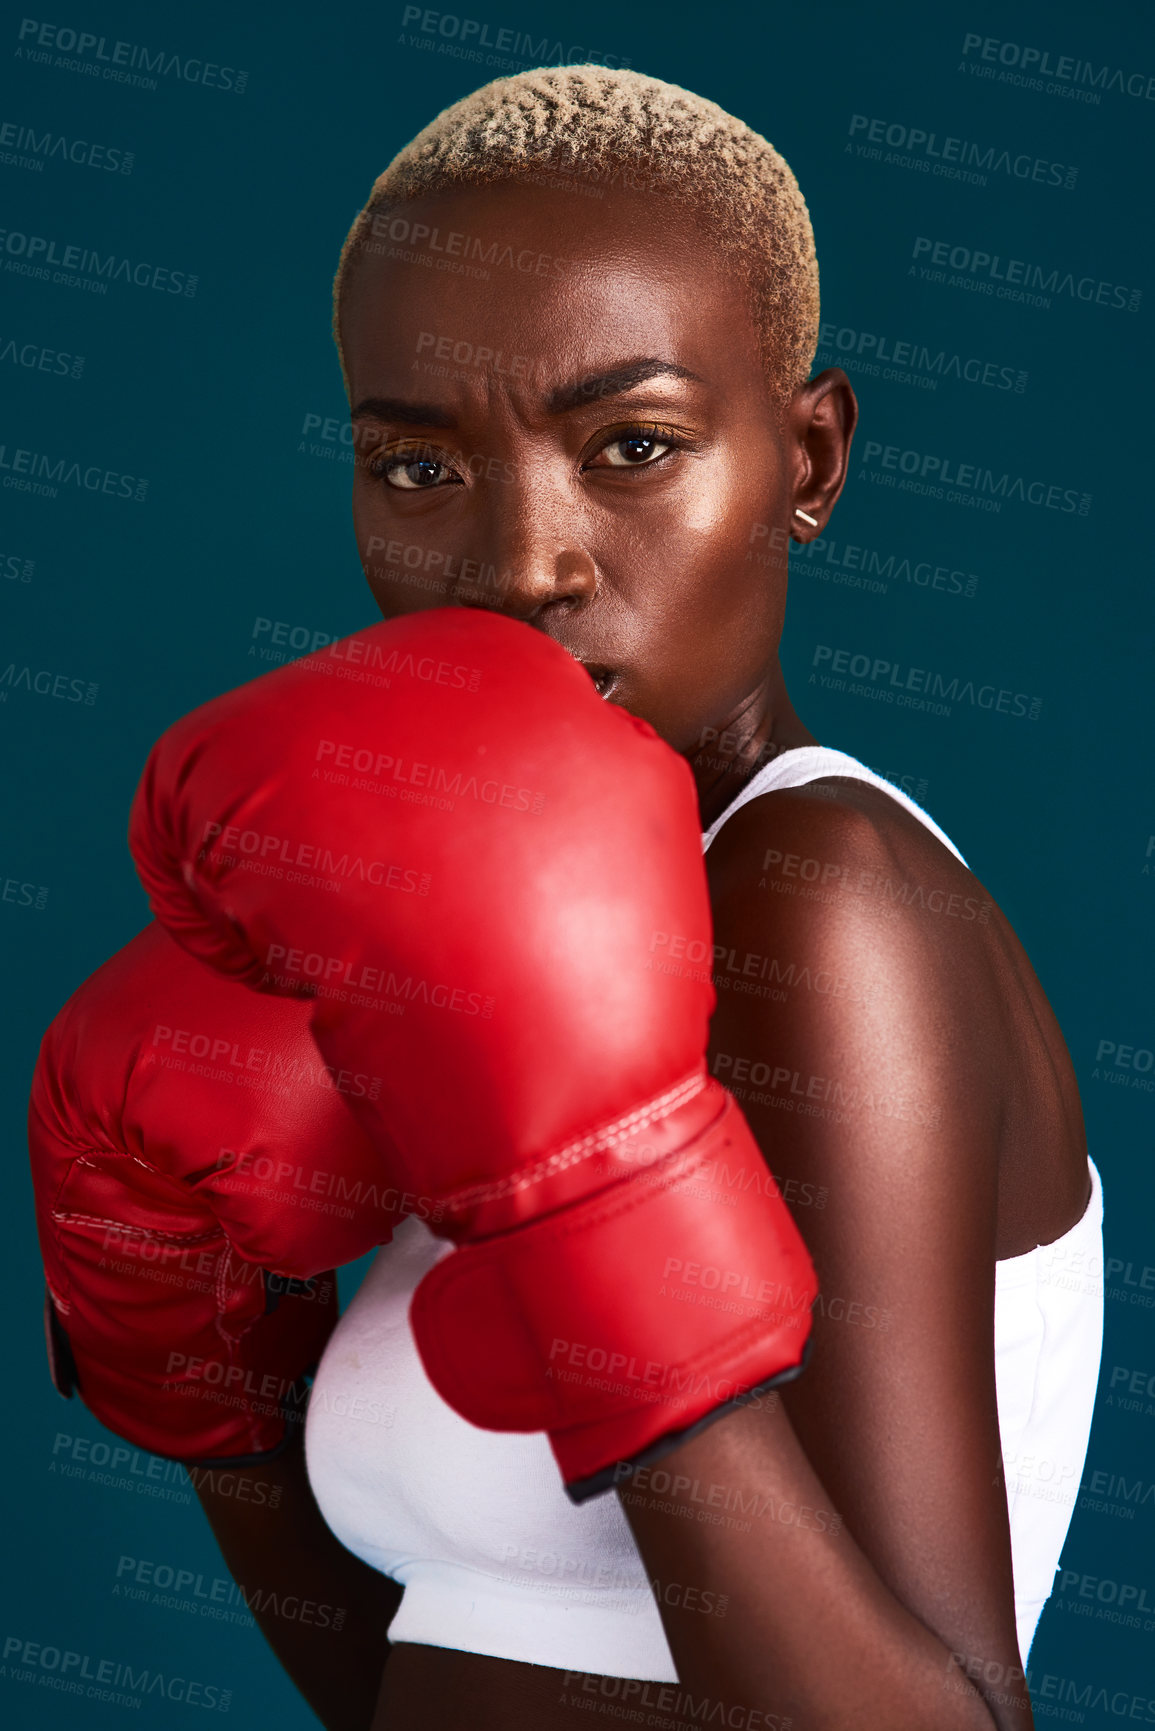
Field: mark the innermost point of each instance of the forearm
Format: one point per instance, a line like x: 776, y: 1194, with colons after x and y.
x: 322, y: 1610
x: 810, y: 1631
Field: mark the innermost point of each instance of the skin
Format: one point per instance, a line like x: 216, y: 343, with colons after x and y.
x: 275, y: 1543
x: 967, y: 1141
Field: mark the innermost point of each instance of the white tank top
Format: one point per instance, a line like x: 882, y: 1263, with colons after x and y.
x: 493, y: 1556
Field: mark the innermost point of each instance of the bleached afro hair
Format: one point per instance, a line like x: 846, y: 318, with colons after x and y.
x: 620, y: 127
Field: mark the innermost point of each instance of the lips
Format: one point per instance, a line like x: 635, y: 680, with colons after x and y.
x: 604, y: 678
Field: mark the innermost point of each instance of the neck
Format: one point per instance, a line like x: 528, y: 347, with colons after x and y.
x: 758, y: 729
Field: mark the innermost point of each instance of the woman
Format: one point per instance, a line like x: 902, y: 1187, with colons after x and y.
x: 576, y: 320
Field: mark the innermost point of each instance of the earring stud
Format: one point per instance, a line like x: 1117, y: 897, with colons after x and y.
x: 806, y: 517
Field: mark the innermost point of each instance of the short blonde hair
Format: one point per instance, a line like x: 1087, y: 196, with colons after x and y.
x: 624, y: 128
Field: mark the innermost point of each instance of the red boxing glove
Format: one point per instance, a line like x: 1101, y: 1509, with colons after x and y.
x: 482, y: 864
x: 197, y: 1175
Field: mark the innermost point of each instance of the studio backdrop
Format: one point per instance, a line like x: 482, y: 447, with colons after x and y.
x: 975, y: 624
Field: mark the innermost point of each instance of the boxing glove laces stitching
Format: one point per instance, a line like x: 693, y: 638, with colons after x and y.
x: 718, y: 1356
x: 598, y: 1141
x: 715, y: 1354
x: 65, y: 1219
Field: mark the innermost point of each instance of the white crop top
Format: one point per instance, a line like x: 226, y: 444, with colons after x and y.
x: 494, y: 1557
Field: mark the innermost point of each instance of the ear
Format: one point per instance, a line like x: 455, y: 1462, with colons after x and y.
x: 820, y: 424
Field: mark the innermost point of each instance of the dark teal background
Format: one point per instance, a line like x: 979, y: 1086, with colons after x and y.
x: 206, y: 397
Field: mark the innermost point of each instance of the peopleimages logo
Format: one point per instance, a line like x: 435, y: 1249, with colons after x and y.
x: 472, y: 34
x: 34, y: 254
x: 971, y: 478
x: 122, y: 62
x: 104, y: 1679
x: 39, y: 358
x: 934, y: 155
x: 45, y: 683
x: 1030, y: 66
x: 36, y: 148
x: 858, y: 567
x: 917, y: 687
x: 1019, y: 279
x: 927, y: 363
x: 36, y: 472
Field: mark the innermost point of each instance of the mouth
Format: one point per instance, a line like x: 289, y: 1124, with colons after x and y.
x: 605, y: 679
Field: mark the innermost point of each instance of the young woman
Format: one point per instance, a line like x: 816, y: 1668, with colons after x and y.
x: 577, y: 318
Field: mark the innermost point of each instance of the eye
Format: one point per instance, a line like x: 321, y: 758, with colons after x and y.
x: 414, y: 471
x: 636, y: 448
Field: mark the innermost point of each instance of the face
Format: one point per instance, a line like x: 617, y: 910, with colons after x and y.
x: 580, y: 433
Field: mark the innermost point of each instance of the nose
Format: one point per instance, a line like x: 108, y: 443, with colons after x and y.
x: 536, y: 564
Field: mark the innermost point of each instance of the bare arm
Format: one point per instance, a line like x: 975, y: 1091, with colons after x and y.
x: 321, y: 1609
x: 861, y: 1528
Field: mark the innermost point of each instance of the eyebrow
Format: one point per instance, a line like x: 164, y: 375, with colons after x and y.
x: 615, y: 382
x: 590, y: 388
x: 397, y: 409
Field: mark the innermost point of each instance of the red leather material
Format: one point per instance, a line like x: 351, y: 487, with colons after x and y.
x: 197, y: 1175
x: 609, y: 1308
x: 523, y: 822
x: 477, y: 867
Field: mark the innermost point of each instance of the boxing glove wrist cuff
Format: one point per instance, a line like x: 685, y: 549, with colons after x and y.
x: 619, y: 1148
x: 611, y: 1477
x: 631, y: 1314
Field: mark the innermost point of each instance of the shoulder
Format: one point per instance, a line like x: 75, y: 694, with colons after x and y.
x: 844, y: 926
x: 827, y: 830
x: 844, y: 856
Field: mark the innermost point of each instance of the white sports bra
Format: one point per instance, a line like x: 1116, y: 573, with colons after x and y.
x: 494, y: 1557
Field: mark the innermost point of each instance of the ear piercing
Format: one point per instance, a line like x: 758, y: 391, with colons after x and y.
x: 806, y: 517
